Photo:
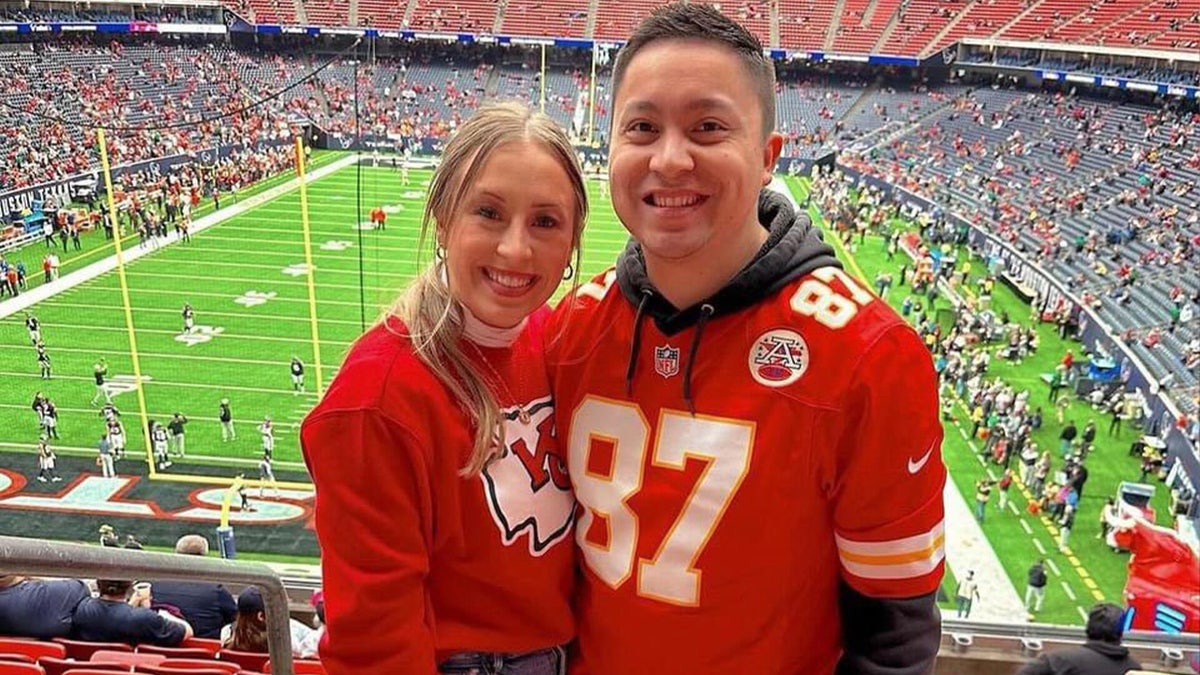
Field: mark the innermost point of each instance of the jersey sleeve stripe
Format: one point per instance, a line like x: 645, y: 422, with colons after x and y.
x: 912, y: 544
x: 897, y: 571
x: 897, y: 558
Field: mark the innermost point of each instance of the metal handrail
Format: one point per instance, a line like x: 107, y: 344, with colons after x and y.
x: 58, y: 559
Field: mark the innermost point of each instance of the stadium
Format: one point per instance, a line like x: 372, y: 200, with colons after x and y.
x: 205, y: 204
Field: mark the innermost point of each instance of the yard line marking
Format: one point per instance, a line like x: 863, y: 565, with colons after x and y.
x: 1038, y: 545
x: 260, y: 282
x: 1053, y: 567
x: 248, y: 314
x: 223, y: 336
x: 1025, y: 526
x: 205, y: 294
x: 95, y: 412
x: 282, y: 363
x: 1067, y: 589
x: 962, y: 432
x: 197, y: 458
x: 208, y: 264
x: 1082, y: 614
x: 1012, y: 507
x: 149, y: 383
x: 160, y: 382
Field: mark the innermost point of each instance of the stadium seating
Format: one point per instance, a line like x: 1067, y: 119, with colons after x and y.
x: 32, y: 648
x: 82, y: 650
x: 565, y: 18
x: 467, y: 16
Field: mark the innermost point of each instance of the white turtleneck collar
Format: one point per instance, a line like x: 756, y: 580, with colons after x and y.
x: 486, y: 335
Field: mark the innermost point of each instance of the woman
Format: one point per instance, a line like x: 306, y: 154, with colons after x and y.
x: 443, y: 506
x: 248, y: 632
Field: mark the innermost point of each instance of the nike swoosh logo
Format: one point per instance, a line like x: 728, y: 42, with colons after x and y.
x: 914, y: 467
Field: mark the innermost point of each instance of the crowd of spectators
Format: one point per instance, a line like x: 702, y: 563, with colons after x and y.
x: 162, y: 613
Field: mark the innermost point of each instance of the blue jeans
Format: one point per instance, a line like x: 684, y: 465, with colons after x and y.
x: 551, y: 661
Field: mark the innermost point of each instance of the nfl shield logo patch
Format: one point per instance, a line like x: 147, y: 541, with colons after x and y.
x: 666, y: 360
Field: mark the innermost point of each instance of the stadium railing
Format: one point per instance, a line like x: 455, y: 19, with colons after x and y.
x: 57, y: 559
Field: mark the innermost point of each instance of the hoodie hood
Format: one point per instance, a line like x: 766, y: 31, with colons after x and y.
x: 793, y: 248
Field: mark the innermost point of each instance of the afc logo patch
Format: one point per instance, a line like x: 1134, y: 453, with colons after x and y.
x: 527, y: 488
x: 666, y: 360
x: 778, y: 358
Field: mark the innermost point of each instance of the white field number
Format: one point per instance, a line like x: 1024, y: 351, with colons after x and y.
x: 814, y: 297
x: 199, y: 335
x: 724, y: 445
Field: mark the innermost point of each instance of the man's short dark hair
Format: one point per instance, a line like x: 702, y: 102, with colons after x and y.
x: 1104, y: 623
x: 113, y: 587
x: 687, y: 21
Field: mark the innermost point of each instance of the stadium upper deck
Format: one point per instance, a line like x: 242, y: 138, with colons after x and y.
x: 899, y: 27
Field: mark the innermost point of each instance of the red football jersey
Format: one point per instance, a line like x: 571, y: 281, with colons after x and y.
x: 420, y: 562
x: 714, y: 541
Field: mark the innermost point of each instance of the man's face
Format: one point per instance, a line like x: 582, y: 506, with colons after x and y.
x: 688, y: 155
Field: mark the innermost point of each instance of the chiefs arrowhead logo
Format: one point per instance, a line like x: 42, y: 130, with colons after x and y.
x: 527, y: 487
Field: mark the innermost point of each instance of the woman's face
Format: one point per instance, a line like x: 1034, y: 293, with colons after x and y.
x: 511, y: 239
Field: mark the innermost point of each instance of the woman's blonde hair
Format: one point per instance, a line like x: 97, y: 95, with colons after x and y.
x: 432, y: 316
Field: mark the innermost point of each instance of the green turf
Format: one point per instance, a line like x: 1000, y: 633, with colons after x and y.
x: 247, y: 361
x: 1108, y: 465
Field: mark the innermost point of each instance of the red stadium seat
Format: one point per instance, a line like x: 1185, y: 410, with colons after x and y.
x: 252, y: 661
x: 81, y: 650
x: 206, y: 664
x: 55, y: 666
x: 19, y: 658
x: 301, y: 667
x: 160, y: 670
x: 83, y: 670
x: 128, y: 659
x: 177, y: 652
x: 32, y: 648
x: 207, y: 644
x: 18, y: 668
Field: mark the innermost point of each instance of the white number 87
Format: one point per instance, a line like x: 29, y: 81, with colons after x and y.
x: 723, y: 444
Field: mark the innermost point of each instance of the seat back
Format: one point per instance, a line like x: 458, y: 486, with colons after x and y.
x: 82, y: 650
x: 20, y: 668
x: 55, y: 666
x: 201, y: 664
x: 177, y: 652
x: 252, y: 661
x: 32, y: 648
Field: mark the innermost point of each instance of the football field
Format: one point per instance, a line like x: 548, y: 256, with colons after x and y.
x: 246, y: 281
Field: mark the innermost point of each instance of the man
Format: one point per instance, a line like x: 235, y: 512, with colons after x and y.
x: 43, y: 359
x: 1102, y: 654
x: 1035, y: 589
x: 99, y: 372
x: 297, y: 368
x: 268, y: 436
x: 752, y: 435
x: 1067, y: 437
x: 266, y: 476
x: 158, y: 438
x: 38, y: 609
x: 206, y: 606
x: 34, y: 326
x: 225, y: 415
x: 178, y: 440
x: 104, y: 458
x: 966, y: 595
x: 118, y: 616
x: 189, y: 318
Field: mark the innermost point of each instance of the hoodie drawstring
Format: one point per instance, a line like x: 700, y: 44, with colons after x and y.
x: 706, y: 311
x: 637, y: 340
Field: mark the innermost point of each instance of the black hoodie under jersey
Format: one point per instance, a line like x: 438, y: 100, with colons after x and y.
x: 881, y: 636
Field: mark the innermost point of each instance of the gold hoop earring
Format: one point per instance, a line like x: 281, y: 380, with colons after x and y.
x: 569, y: 273
x: 440, y: 252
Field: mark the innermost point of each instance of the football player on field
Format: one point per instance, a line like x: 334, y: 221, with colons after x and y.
x: 752, y: 435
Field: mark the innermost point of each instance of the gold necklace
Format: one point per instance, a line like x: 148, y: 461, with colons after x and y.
x: 522, y: 414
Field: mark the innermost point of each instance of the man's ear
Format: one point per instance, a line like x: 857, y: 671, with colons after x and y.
x: 772, y: 148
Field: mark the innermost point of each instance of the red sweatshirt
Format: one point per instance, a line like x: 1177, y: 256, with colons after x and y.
x: 420, y: 562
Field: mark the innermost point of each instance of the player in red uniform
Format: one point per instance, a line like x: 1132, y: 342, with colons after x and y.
x: 444, y: 510
x: 752, y: 435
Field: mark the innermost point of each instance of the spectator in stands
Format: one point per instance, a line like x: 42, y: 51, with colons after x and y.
x: 426, y: 543
x: 41, y: 609
x: 206, y: 606
x: 121, y: 616
x: 248, y: 632
x: 1102, y: 654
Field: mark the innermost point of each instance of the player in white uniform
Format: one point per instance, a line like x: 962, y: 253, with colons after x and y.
x: 268, y: 436
x: 266, y: 476
x: 297, y: 368
x: 158, y: 437
x: 116, y: 436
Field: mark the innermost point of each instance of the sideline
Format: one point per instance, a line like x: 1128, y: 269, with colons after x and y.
x: 108, y: 264
x: 967, y: 548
